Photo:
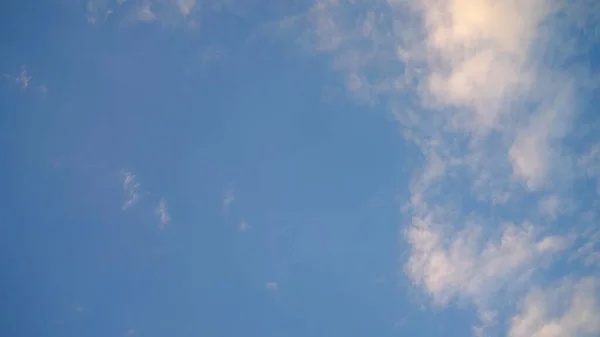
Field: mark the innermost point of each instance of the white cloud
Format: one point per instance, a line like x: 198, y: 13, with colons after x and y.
x: 131, y: 188
x: 568, y: 309
x: 479, y: 49
x: 163, y: 214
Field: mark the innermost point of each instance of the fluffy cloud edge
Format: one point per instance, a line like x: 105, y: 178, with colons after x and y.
x: 494, y: 105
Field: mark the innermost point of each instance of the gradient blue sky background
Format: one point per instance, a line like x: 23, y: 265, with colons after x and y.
x: 300, y: 168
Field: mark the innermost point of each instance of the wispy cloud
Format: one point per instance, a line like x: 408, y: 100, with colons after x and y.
x: 172, y: 12
x: 552, y: 206
x: 589, y: 250
x: 131, y: 189
x: 99, y: 10
x: 243, y: 226
x: 144, y: 12
x: 591, y: 164
x: 186, y: 6
x: 228, y: 199
x: 23, y: 79
x: 163, y: 214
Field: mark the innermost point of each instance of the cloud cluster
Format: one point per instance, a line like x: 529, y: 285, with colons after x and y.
x: 489, y: 92
x: 25, y: 81
x: 131, y: 188
x: 169, y: 12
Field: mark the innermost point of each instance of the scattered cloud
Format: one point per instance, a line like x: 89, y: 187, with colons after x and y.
x: 272, y: 286
x: 551, y: 205
x: 23, y: 79
x: 131, y: 188
x: 228, y: 199
x: 163, y: 214
x: 144, y: 12
x: 589, y: 250
x: 243, y: 226
x: 186, y: 6
x: 591, y: 163
x: 99, y: 10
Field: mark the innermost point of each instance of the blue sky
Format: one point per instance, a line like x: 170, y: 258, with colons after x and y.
x: 300, y: 168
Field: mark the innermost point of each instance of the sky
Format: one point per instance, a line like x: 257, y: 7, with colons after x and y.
x: 268, y: 168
